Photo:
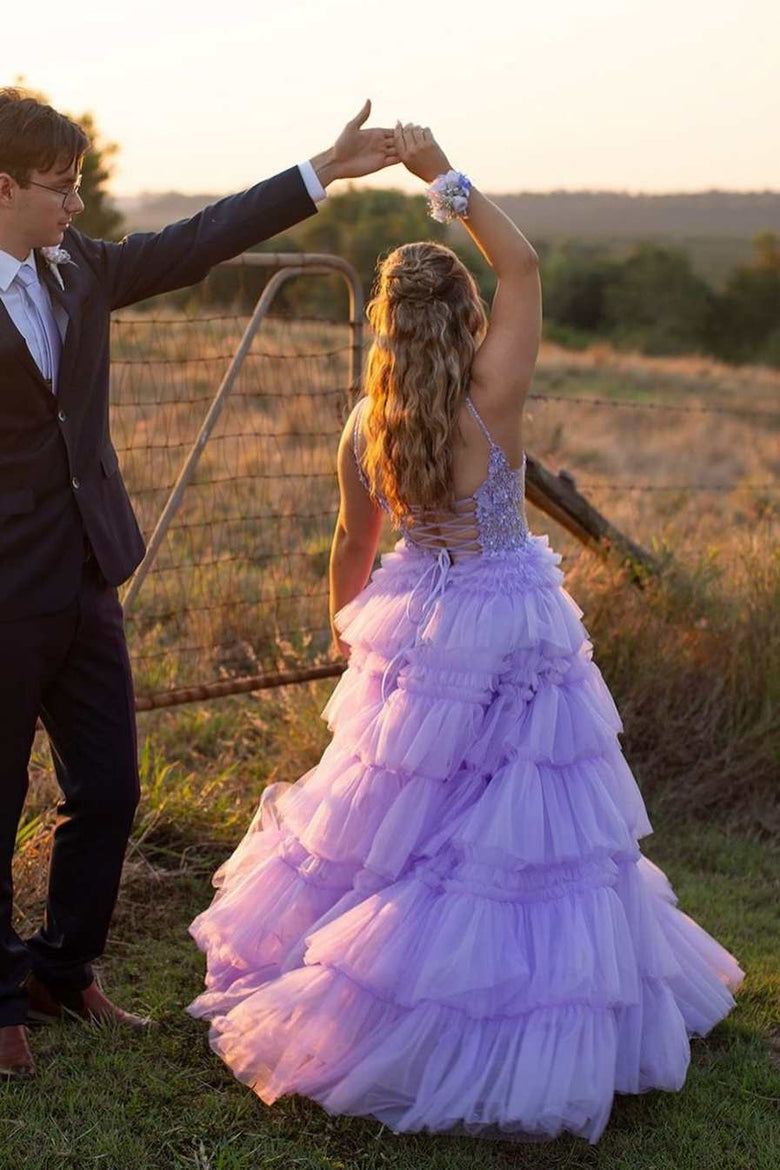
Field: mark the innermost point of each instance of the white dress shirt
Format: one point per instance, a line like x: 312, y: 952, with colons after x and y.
x: 18, y: 306
x: 15, y: 301
x: 313, y: 185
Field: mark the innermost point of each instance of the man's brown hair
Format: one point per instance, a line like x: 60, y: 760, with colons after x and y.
x: 34, y: 136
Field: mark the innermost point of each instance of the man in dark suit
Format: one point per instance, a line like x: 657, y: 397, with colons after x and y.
x: 68, y: 535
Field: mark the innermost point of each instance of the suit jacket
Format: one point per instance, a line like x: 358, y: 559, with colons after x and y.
x: 59, y: 473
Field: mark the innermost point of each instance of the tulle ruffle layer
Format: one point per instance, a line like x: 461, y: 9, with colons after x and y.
x: 317, y: 1032
x: 491, y: 604
x: 447, y: 923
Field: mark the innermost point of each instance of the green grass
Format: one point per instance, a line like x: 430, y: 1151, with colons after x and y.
x: 163, y: 1100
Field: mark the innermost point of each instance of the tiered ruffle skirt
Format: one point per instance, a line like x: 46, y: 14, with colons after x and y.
x: 447, y: 924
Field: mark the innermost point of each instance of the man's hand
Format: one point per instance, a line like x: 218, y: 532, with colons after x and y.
x: 356, y: 152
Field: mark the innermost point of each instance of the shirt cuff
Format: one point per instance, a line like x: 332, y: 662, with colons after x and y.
x: 313, y: 185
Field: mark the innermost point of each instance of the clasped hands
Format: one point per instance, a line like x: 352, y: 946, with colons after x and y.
x: 358, y: 151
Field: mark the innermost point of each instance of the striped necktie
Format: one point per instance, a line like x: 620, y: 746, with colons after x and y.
x: 47, y: 345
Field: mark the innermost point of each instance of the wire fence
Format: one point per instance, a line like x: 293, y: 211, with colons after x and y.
x: 238, y: 588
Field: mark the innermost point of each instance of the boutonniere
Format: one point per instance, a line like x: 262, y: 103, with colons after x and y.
x: 54, y: 257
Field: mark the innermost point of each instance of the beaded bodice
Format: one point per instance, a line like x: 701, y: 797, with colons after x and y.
x: 490, y: 522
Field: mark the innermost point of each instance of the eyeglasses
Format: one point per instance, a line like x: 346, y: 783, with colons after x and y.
x: 66, y: 193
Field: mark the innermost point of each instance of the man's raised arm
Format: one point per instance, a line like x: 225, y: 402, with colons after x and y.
x: 145, y: 264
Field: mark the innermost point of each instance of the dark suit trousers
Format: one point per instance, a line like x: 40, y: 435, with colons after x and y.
x: 71, y: 668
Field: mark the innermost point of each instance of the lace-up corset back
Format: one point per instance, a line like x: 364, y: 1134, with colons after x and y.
x: 489, y: 522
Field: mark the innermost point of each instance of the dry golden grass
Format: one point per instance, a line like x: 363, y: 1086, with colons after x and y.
x: 692, y: 370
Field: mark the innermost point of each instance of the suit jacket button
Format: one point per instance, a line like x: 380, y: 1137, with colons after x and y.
x: 61, y: 415
x: 76, y: 483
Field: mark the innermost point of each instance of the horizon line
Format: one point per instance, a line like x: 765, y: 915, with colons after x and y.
x: 147, y: 193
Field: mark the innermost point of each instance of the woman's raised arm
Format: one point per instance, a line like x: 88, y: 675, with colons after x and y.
x: 506, y: 359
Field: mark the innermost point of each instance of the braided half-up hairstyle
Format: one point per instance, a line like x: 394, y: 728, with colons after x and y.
x: 428, y: 322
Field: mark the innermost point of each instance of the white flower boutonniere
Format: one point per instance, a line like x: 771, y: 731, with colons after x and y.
x: 54, y: 257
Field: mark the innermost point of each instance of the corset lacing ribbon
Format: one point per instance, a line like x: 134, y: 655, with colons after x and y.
x: 439, y: 568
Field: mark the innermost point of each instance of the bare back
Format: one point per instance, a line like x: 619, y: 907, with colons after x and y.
x: 489, y: 519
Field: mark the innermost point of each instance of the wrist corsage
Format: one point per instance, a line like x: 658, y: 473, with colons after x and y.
x: 448, y: 197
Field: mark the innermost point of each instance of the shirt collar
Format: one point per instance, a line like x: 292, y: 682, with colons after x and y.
x: 9, y: 266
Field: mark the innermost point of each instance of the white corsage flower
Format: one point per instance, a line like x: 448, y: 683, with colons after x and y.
x: 54, y: 257
x: 448, y: 197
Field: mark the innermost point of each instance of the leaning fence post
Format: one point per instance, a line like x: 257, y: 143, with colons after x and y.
x: 557, y: 496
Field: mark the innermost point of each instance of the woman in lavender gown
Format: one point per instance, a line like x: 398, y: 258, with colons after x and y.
x: 447, y: 924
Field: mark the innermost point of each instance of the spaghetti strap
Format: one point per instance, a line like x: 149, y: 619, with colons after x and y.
x: 481, y: 424
x: 494, y: 446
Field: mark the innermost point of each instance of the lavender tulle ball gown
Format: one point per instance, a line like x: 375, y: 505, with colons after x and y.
x: 447, y: 924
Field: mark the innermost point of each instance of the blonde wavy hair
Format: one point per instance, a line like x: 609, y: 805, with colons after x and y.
x: 428, y: 321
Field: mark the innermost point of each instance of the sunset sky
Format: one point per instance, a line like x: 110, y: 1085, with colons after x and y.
x: 650, y: 95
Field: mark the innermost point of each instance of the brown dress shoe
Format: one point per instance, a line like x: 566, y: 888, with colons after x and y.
x: 16, y: 1060
x: 46, y: 1005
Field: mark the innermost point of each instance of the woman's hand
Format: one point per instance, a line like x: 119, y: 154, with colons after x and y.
x: 419, y: 151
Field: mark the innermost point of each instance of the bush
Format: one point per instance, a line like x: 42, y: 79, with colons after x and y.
x: 770, y: 353
x: 567, y: 335
x: 575, y: 279
x: 745, y: 316
x: 656, y: 297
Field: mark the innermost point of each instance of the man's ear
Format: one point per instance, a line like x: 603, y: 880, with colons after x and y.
x: 8, y: 187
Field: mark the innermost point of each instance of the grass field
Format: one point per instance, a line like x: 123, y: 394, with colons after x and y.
x: 164, y: 1101
x: 693, y: 662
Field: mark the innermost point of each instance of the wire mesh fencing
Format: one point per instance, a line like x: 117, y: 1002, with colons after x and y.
x: 238, y: 586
